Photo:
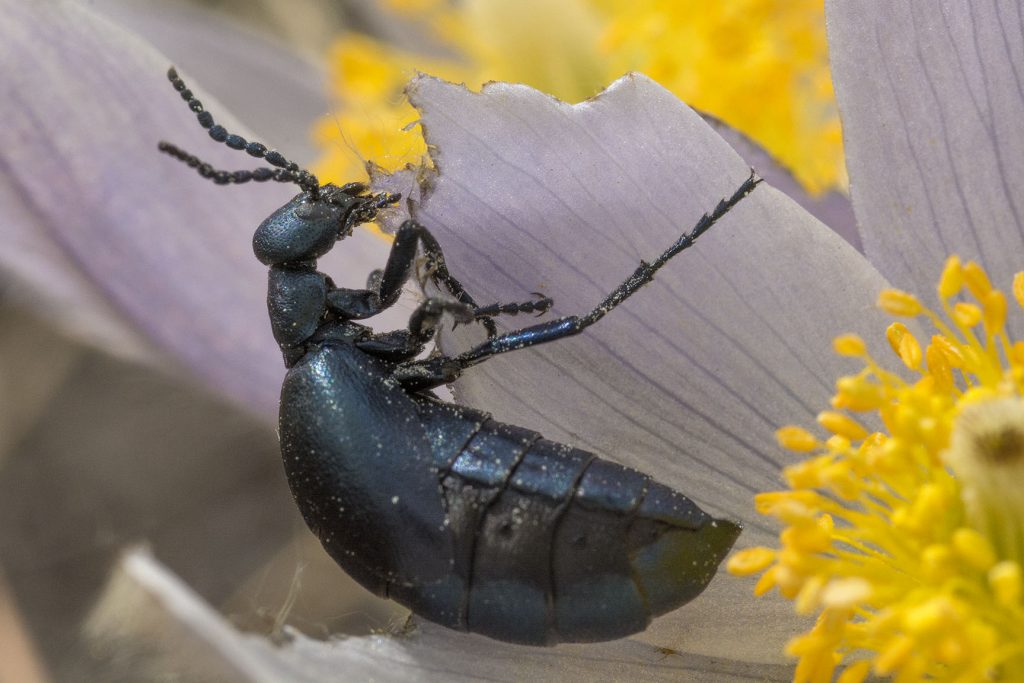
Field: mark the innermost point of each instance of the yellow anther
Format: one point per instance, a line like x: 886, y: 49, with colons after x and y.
x: 976, y: 280
x: 1017, y: 353
x: 905, y: 345
x: 899, y: 303
x: 910, y: 352
x: 952, y: 278
x: 894, y: 333
x: 846, y: 593
x: 806, y: 539
x: 839, y: 479
x: 788, y: 581
x: 977, y: 395
x: 858, y: 394
x: 837, y: 444
x: 939, y: 368
x: 810, y: 592
x: 789, y: 506
x: 1006, y: 582
x: 850, y: 345
x: 981, y: 637
x: 765, y: 583
x: 842, y: 425
x: 803, y: 475
x: 929, y: 617
x: 950, y: 350
x: 951, y: 650
x: 796, y: 439
x: 1018, y: 288
x: 855, y: 673
x: 764, y: 501
x: 966, y: 315
x: 802, y: 645
x: 893, y: 656
x: 937, y: 562
x: 973, y: 549
x: 994, y: 305
x: 973, y: 358
x: 797, y: 563
x: 750, y: 561
x: 928, y: 506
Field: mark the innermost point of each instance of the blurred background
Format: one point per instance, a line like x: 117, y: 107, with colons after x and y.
x: 99, y: 453
x: 102, y: 451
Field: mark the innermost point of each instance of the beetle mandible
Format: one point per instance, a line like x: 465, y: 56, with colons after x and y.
x: 476, y: 525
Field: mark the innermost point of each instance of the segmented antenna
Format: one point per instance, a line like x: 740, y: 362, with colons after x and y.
x: 285, y: 171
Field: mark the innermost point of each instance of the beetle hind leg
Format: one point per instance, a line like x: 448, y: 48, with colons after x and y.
x: 643, y: 274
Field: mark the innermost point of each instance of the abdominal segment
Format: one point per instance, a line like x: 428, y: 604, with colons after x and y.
x: 553, y: 544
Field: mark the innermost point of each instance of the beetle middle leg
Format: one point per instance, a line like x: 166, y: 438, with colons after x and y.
x: 404, y: 345
x: 538, y: 305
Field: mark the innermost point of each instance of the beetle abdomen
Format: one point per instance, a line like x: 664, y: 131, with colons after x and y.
x: 553, y: 544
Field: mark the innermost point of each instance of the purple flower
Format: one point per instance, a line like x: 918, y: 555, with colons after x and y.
x: 687, y: 381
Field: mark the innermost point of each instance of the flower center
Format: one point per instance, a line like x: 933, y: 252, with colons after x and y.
x: 986, y: 454
x: 989, y: 435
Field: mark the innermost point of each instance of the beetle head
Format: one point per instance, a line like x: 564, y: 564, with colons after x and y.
x: 306, y: 227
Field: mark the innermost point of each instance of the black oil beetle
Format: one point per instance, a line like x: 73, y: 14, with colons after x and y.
x: 470, y: 523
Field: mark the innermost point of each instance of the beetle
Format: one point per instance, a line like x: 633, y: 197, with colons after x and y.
x: 470, y: 523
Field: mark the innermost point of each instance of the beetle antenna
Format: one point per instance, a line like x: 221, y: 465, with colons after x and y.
x: 263, y: 174
x: 301, y: 177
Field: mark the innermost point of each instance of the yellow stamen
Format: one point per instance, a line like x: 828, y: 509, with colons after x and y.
x: 1018, y: 288
x: 751, y: 561
x: 976, y: 280
x: 852, y: 345
x: 904, y: 344
x: 855, y: 673
x: 899, y: 303
x: 966, y: 315
x: 908, y: 543
x: 952, y: 279
x: 994, y: 308
x: 973, y: 548
x: 796, y: 439
x: 843, y: 425
x: 1006, y: 581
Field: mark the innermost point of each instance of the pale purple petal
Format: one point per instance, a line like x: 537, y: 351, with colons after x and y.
x: 137, y: 239
x: 687, y: 381
x: 831, y: 208
x: 274, y: 90
x: 152, y: 620
x: 932, y: 99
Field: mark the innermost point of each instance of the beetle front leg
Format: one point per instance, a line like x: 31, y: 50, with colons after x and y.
x: 385, y: 286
